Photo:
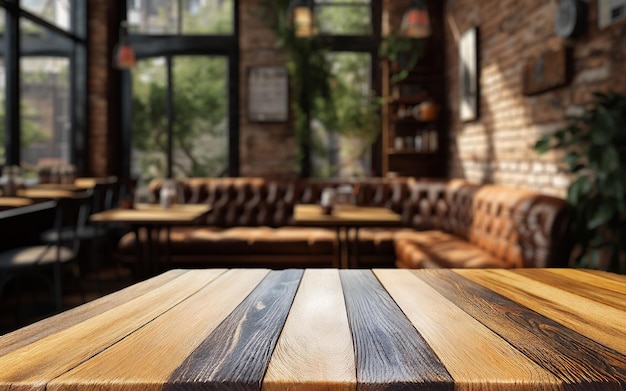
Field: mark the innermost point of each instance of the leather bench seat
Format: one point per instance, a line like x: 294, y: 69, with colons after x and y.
x: 445, y: 224
x: 437, y: 249
x: 242, y: 246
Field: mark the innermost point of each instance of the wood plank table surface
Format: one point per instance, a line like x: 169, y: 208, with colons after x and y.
x: 330, y: 329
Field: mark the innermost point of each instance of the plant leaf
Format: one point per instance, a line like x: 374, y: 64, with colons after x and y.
x: 603, y: 214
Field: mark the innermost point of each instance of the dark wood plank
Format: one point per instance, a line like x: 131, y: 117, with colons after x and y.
x: 581, y: 363
x: 597, y: 321
x: 163, y: 343
x: 390, y: 353
x: 236, y: 354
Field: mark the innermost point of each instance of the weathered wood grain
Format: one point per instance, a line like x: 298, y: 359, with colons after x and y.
x: 315, y: 350
x: 54, y: 324
x: 447, y: 330
x: 236, y: 354
x: 582, y: 284
x: 390, y: 353
x: 598, y: 321
x: 146, y: 359
x: 32, y: 366
x: 580, y: 362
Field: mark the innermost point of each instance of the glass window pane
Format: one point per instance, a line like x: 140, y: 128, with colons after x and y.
x: 201, y: 116
x: 348, y: 147
x: 56, y: 12
x: 201, y: 17
x: 44, y: 109
x: 344, y: 19
x: 207, y: 17
x: 149, y: 120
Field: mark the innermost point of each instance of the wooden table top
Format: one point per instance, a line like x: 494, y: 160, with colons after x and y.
x: 46, y: 193
x: 13, y: 202
x: 251, y: 329
x: 311, y: 214
x: 146, y: 214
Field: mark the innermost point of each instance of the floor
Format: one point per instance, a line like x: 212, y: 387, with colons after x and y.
x: 36, y: 303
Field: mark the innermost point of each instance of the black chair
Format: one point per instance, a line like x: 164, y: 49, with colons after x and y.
x: 41, y: 259
x: 93, y: 235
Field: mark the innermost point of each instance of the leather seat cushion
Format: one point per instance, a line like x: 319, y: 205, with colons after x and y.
x: 378, y: 240
x: 243, y: 240
x: 437, y: 249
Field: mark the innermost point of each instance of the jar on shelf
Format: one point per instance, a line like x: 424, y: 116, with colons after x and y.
x: 418, y: 142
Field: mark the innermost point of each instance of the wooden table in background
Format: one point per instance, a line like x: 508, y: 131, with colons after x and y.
x: 13, y: 202
x: 342, y: 219
x: 332, y: 329
x: 153, y: 218
x: 45, y: 194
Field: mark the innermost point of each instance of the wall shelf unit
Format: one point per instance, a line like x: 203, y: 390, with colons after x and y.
x: 414, y: 141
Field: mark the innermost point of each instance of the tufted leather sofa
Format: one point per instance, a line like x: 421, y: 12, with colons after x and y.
x: 446, y: 223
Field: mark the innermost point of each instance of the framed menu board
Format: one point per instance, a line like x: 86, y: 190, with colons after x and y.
x: 268, y: 94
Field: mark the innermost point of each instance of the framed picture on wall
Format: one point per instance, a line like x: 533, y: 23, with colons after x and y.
x: 610, y: 11
x: 268, y: 94
x: 468, y: 75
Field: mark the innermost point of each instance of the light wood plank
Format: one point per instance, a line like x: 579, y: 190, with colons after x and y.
x: 64, y: 320
x: 315, y: 350
x: 447, y: 330
x: 600, y: 322
x: 146, y: 359
x: 575, y: 359
x: 236, y: 354
x: 584, y: 284
x: 388, y: 348
x: 33, y: 366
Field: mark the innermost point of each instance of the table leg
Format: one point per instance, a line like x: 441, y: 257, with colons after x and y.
x: 339, y: 255
x: 353, y: 260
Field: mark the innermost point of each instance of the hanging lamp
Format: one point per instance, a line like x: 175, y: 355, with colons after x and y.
x: 301, y: 13
x: 123, y: 54
x: 416, y: 21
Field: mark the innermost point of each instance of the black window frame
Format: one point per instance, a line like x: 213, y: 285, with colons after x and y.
x: 73, y: 46
x: 168, y: 46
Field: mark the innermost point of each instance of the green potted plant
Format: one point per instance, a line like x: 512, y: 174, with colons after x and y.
x: 594, y: 152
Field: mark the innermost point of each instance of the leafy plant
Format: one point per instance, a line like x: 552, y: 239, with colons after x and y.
x: 403, y: 51
x: 594, y: 148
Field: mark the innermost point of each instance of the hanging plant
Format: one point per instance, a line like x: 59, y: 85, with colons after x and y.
x: 403, y: 53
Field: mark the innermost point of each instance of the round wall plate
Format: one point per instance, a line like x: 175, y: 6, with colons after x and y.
x: 570, y: 18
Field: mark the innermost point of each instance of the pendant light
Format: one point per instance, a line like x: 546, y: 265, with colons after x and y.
x: 301, y: 14
x: 123, y: 54
x: 416, y: 21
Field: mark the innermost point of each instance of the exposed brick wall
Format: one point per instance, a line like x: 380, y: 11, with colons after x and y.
x: 497, y: 147
x: 265, y: 149
x: 103, y: 119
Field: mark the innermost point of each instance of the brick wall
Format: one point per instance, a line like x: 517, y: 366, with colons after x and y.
x: 497, y: 146
x: 266, y: 149
x: 103, y: 84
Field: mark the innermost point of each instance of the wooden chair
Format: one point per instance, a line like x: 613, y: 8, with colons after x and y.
x: 41, y: 259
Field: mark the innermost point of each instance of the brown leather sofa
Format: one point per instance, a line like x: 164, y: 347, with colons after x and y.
x: 446, y: 223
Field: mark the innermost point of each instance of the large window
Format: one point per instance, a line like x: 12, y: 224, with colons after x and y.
x: 43, y: 102
x: 352, y: 28
x: 199, y: 125
x: 183, y: 115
